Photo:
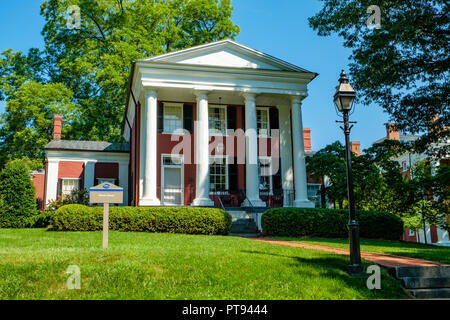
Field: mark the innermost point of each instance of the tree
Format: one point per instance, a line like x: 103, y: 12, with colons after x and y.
x: 17, y: 192
x: 330, y: 162
x: 27, y: 124
x: 90, y: 66
x: 403, y: 65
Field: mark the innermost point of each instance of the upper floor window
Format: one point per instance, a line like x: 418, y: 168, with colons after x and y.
x: 262, y: 121
x: 173, y: 117
x: 217, y: 120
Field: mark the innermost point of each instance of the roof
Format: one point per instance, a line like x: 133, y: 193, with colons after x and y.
x: 226, y: 53
x: 76, y: 145
x: 403, y: 138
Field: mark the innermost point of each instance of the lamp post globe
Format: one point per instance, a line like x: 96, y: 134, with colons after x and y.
x: 343, y: 99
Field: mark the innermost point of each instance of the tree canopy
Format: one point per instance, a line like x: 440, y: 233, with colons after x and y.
x: 401, y: 66
x: 83, y: 72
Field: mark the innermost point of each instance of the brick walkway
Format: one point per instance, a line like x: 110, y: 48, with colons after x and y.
x: 382, y: 259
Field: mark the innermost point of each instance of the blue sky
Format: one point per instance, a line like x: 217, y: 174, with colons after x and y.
x: 277, y: 27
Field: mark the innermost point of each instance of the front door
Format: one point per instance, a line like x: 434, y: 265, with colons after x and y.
x: 172, y: 187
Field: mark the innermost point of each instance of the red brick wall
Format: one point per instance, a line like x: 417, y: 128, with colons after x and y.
x: 433, y: 234
x: 39, y: 184
x: 407, y: 237
x: 71, y: 169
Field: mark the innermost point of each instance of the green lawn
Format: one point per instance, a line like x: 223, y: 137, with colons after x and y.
x: 173, y: 266
x: 408, y: 249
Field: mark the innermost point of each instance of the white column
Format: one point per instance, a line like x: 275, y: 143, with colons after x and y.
x: 287, y: 173
x: 251, y: 153
x: 202, y: 152
x: 300, y: 183
x: 148, y: 148
x: 123, y: 180
x: 89, y: 174
x: 52, y: 180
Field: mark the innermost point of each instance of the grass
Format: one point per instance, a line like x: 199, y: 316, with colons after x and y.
x: 173, y: 266
x: 407, y: 249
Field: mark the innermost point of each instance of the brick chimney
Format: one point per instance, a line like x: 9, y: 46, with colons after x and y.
x: 392, y: 132
x: 57, y: 125
x: 355, y: 147
x: 307, y: 139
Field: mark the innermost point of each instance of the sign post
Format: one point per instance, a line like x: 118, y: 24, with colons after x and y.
x: 106, y: 193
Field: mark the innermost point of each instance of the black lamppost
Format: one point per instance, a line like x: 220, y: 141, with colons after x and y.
x: 343, y: 99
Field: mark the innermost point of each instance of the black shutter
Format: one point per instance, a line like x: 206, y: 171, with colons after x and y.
x: 231, y: 118
x: 160, y: 117
x: 243, y: 118
x: 273, y: 118
x: 233, y: 176
x: 188, y: 118
x: 276, y: 178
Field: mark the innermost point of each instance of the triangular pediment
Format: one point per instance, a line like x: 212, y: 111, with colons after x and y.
x: 226, y: 53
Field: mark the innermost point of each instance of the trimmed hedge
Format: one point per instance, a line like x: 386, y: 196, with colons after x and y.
x: 329, y: 223
x: 17, y: 195
x: 211, y: 221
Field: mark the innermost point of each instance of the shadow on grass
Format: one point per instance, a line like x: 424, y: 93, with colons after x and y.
x: 335, y: 267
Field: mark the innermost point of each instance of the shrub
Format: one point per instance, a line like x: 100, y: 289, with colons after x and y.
x: 75, y: 197
x: 18, y: 194
x: 147, y: 219
x: 329, y: 223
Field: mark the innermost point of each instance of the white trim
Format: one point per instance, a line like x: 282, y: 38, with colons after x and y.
x: 229, y: 44
x: 176, y: 166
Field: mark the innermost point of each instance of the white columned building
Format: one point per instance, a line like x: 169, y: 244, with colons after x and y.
x: 300, y: 183
x: 229, y: 86
x: 201, y: 151
x: 149, y: 150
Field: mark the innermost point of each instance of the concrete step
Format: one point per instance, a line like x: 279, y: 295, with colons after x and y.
x: 435, y: 293
x: 245, y: 235
x: 244, y: 226
x: 422, y: 272
x: 425, y: 283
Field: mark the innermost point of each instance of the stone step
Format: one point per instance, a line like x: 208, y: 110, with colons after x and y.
x: 422, y: 272
x: 238, y: 229
x: 435, y: 293
x: 425, y: 283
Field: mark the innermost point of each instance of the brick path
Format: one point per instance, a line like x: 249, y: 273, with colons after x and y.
x: 382, y: 259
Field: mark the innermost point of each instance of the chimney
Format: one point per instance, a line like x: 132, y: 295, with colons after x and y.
x: 307, y: 139
x: 57, y: 127
x: 355, y: 147
x: 392, y: 132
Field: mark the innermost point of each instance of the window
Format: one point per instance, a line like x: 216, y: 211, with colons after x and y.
x: 217, y: 120
x: 411, y: 233
x: 314, y: 193
x: 262, y: 121
x: 68, y: 185
x: 173, y: 117
x: 172, y: 159
x: 404, y: 167
x: 218, y: 175
x: 265, y: 174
